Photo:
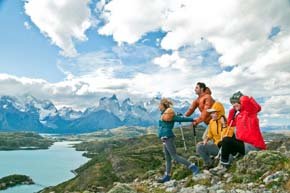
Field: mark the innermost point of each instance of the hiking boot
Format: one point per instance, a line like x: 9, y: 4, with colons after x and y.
x: 164, y: 179
x: 194, y: 169
x: 219, y: 170
x: 238, y: 155
x: 208, y: 166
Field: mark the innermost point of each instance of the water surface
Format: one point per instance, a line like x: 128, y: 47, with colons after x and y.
x: 46, y: 167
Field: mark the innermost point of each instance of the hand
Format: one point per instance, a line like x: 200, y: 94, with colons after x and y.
x: 194, y: 123
x: 200, y: 142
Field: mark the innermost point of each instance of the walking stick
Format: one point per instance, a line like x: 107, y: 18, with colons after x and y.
x: 182, y: 136
x: 227, y: 128
x: 194, y: 134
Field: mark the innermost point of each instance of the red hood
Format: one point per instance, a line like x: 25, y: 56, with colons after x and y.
x: 249, y: 104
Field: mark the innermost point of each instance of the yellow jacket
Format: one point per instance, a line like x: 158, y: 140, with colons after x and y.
x: 217, y: 129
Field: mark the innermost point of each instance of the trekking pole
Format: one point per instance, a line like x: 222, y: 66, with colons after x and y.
x: 228, y: 128
x: 194, y: 134
x: 182, y: 136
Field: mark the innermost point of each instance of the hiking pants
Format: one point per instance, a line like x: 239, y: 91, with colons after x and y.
x: 231, y: 145
x: 205, y: 151
x: 169, y: 151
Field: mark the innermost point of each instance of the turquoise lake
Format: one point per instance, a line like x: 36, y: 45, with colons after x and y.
x: 46, y: 167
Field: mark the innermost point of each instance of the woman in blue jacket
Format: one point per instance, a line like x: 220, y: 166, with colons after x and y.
x: 165, y: 133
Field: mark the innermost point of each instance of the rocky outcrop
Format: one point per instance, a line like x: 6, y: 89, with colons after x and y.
x: 122, y: 188
x: 14, y: 180
x: 259, y: 171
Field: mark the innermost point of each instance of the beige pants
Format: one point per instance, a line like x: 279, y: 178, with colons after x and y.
x: 205, y: 134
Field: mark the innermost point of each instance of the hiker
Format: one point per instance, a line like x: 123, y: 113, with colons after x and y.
x: 209, y: 147
x: 243, y: 115
x: 165, y: 133
x: 203, y: 102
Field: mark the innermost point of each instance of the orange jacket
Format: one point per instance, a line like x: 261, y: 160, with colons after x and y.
x: 203, y: 102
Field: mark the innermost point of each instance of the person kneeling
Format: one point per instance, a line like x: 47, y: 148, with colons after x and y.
x: 206, y: 149
x: 248, y: 133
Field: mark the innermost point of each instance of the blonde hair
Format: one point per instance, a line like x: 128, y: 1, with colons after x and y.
x: 166, y: 102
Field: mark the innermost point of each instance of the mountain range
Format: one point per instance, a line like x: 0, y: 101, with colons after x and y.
x: 28, y: 113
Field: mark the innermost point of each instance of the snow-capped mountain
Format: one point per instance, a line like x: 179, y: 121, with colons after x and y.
x: 45, y: 108
x: 110, y: 104
x: 29, y: 113
x: 68, y: 113
x: 15, y: 116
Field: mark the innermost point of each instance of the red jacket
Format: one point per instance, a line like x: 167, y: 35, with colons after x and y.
x: 231, y: 121
x: 247, y: 123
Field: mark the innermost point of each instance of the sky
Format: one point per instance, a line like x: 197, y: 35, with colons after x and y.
x: 73, y: 52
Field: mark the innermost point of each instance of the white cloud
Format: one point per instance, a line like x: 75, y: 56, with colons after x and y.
x: 27, y: 25
x: 222, y: 43
x: 172, y: 61
x: 277, y: 105
x: 62, y: 21
x: 79, y: 92
x: 237, y: 30
x: 129, y: 20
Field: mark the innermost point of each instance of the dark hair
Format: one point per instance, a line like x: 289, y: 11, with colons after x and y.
x: 201, y: 85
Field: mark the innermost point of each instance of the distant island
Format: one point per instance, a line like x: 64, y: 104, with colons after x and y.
x: 23, y: 141
x: 14, y: 180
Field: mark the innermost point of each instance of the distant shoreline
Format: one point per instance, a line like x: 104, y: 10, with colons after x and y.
x: 23, y: 141
x: 281, y: 131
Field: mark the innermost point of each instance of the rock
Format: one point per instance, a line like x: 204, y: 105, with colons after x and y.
x: 240, y: 191
x: 86, y: 191
x: 214, y: 180
x: 215, y: 188
x: 200, y: 189
x: 201, y: 176
x: 186, y: 190
x: 277, y: 176
x: 230, y: 179
x: 220, y: 191
x: 171, y: 189
x: 171, y: 183
x: 257, y: 163
x: 250, y: 185
x: 262, y: 186
x: 122, y: 188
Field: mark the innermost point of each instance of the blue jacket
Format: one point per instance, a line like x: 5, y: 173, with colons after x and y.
x: 165, y: 127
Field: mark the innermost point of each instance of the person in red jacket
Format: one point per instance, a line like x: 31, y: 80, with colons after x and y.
x: 243, y: 115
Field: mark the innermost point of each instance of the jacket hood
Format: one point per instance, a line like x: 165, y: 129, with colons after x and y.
x: 219, y: 108
x: 207, y: 91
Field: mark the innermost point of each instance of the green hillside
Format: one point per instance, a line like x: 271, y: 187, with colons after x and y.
x: 23, y: 140
x: 121, y: 160
x: 133, y: 165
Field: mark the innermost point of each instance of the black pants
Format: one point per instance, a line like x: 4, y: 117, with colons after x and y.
x: 230, y: 145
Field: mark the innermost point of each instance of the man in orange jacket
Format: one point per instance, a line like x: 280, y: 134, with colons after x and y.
x: 203, y: 102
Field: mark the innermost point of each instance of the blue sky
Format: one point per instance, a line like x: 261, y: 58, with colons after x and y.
x: 73, y: 51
